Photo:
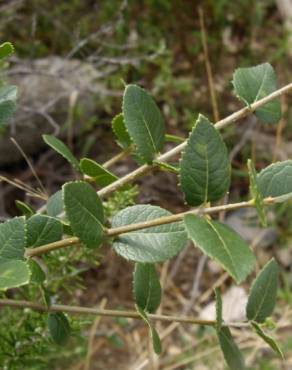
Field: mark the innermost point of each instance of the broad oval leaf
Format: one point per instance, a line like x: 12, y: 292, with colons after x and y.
x: 276, y: 180
x: 84, y: 210
x: 153, y: 333
x: 6, y: 49
x: 254, y: 83
x: 147, y: 289
x: 204, y: 166
x: 231, y: 352
x: 100, y: 175
x: 12, y: 239
x: 143, y: 121
x: 59, y: 327
x: 222, y: 244
x: 42, y: 230
x: 13, y: 273
x: 120, y: 131
x: 8, y: 95
x: 262, y: 298
x: 155, y: 244
x: 55, y: 204
x: 255, y: 193
x: 62, y: 149
x: 268, y: 339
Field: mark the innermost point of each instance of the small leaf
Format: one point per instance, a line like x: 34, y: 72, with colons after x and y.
x: 204, y: 166
x: 101, y: 176
x: 219, y: 319
x: 147, y: 289
x: 55, y: 204
x: 6, y: 49
x: 254, y: 83
x: 24, y: 208
x: 85, y: 212
x: 276, y: 180
x: 37, y: 274
x: 59, y: 327
x: 231, y: 352
x: 153, y: 333
x: 255, y: 193
x: 262, y: 298
x: 269, y: 340
x: 62, y: 149
x: 122, y: 136
x: 43, y: 230
x: 12, y: 239
x: 155, y: 244
x: 13, y: 274
x: 222, y: 244
x: 8, y: 95
x: 143, y: 121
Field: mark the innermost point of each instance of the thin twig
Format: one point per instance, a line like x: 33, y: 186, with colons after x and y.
x: 30, y: 166
x: 30, y: 252
x: 117, y: 157
x: 111, y: 313
x: 92, y: 335
x: 208, y: 66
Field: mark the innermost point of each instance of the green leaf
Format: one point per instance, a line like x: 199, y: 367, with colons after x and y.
x: 101, y: 176
x: 122, y: 136
x: 255, y: 193
x: 143, y: 121
x: 222, y: 244
x: 276, y: 180
x: 6, y: 49
x: 8, y: 95
x: 12, y: 239
x: 43, y: 230
x: 13, y: 274
x: 262, y: 298
x: 59, y: 327
x: 231, y: 352
x: 55, y: 204
x: 254, y: 83
x: 37, y: 274
x: 219, y: 319
x: 62, y: 149
x: 84, y: 210
x: 268, y: 339
x: 147, y: 289
x: 204, y: 166
x: 155, y: 244
x: 24, y: 208
x: 153, y: 333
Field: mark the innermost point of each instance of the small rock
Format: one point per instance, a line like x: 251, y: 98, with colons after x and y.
x: 233, y: 306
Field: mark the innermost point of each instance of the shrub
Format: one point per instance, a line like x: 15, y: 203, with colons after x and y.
x: 146, y: 234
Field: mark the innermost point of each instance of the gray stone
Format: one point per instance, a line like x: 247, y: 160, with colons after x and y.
x: 46, y: 88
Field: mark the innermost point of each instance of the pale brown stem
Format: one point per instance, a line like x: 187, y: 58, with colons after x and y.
x: 31, y: 252
x: 117, y: 158
x: 111, y: 313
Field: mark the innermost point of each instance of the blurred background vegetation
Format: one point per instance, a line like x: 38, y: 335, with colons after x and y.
x: 90, y: 49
